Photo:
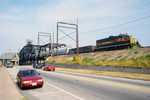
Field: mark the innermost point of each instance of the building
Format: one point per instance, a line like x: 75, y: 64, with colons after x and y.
x: 9, y: 57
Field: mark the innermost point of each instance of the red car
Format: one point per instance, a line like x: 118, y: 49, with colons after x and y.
x: 29, y: 78
x: 49, y: 67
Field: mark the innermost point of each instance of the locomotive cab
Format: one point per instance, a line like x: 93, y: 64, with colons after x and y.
x: 132, y: 41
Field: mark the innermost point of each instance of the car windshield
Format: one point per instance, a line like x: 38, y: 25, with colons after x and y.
x: 29, y: 73
x: 48, y: 65
x: 41, y: 64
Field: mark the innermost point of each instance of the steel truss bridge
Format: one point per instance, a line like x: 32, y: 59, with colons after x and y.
x: 30, y: 53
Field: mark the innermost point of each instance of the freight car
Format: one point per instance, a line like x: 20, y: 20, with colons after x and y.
x: 115, y: 42
x: 62, y: 50
x: 84, y: 49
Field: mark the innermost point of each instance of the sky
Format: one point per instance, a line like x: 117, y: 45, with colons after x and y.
x: 23, y: 19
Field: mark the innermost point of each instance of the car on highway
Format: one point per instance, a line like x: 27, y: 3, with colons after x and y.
x: 35, y: 64
x: 9, y: 65
x: 38, y: 66
x: 27, y: 78
x: 49, y: 67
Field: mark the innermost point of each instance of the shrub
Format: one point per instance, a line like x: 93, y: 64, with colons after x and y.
x: 51, y: 61
x: 74, y: 58
x: 103, y: 59
x: 135, y: 52
x: 124, y: 58
x: 104, y: 55
x: 148, y: 56
x: 135, y: 47
x: 119, y: 56
x: 87, y: 59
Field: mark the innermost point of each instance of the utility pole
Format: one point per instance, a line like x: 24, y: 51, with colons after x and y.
x: 77, y: 39
x: 38, y: 39
x: 53, y: 44
x: 57, y: 40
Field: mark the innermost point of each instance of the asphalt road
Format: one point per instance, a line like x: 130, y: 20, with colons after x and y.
x: 60, y: 85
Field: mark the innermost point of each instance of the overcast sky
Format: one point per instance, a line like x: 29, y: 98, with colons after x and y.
x: 23, y: 19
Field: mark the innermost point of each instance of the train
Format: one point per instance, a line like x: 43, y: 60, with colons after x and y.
x: 120, y: 41
x: 33, y: 53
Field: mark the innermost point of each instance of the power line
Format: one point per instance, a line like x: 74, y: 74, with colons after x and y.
x: 118, y: 24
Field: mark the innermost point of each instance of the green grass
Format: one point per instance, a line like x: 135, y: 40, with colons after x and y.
x: 24, y: 98
x: 119, y: 56
x: 87, y: 59
x: 142, y: 62
x: 51, y: 61
x: 136, y: 47
x: 135, y: 52
x: 148, y: 55
x: 104, y: 55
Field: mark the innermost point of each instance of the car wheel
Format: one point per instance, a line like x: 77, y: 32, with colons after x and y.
x: 53, y: 69
x: 17, y: 82
x: 41, y: 86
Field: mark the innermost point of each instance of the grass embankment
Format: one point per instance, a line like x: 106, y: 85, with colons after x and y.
x: 142, y: 62
x: 109, y: 73
x: 129, y: 58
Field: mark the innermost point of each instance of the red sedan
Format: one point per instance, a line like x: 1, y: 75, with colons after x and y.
x: 49, y: 67
x: 29, y: 78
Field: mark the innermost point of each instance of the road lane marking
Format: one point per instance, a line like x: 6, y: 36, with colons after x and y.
x: 98, y: 81
x: 64, y: 91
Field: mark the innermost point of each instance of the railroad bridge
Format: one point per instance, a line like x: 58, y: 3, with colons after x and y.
x: 36, y: 53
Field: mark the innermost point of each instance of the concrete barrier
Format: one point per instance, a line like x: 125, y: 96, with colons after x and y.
x: 117, y: 69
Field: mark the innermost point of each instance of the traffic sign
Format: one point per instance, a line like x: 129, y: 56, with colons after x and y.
x: 45, y: 57
x: 77, y: 58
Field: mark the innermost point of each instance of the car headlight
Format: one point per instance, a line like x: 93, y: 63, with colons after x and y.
x: 40, y: 80
x: 25, y: 82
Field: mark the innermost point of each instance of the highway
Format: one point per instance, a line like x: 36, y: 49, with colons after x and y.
x: 60, y: 85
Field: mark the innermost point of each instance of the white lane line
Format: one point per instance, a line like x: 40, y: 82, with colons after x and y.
x: 64, y: 91
x: 47, y: 93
